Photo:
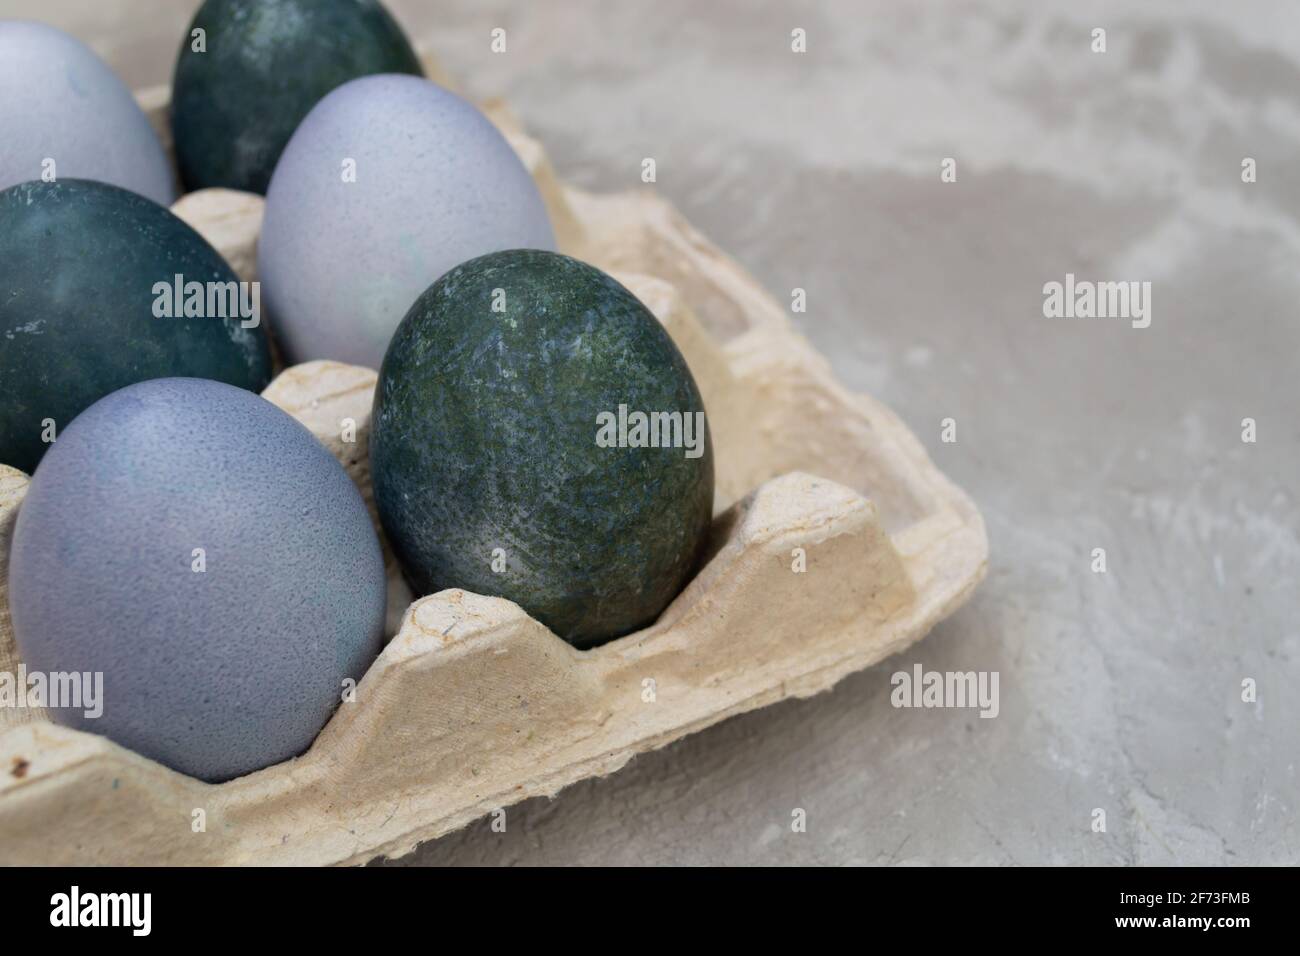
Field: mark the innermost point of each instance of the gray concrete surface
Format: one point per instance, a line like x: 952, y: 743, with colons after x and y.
x: 1120, y: 691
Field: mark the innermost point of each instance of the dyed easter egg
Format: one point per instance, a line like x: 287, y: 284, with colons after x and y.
x: 250, y: 70
x: 389, y: 182
x: 64, y: 114
x: 204, y: 553
x: 100, y: 288
x: 511, y: 449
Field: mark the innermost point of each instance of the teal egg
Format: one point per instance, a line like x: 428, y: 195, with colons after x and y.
x: 263, y: 65
x: 505, y: 455
x: 88, y: 274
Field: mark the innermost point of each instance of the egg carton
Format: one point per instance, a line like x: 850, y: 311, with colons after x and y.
x: 835, y: 543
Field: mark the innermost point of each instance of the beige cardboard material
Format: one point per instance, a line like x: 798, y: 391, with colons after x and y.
x: 473, y: 706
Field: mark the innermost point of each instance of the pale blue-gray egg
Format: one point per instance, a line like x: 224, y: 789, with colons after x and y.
x: 388, y: 183
x: 65, y: 115
x: 203, y: 552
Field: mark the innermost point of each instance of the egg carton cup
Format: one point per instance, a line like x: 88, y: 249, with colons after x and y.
x: 835, y: 543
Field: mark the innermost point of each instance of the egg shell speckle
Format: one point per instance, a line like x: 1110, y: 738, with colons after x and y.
x: 214, y: 673
x: 59, y: 101
x: 435, y: 184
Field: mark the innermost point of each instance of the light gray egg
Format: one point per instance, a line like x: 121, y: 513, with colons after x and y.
x: 388, y: 183
x: 201, y: 551
x: 65, y: 115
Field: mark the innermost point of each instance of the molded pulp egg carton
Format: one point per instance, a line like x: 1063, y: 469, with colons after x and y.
x: 473, y: 705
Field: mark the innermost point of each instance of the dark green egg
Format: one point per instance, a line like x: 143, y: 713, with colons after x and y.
x: 491, y: 449
x: 83, y: 311
x: 263, y: 66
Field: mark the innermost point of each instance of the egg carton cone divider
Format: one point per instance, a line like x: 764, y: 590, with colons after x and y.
x: 473, y: 705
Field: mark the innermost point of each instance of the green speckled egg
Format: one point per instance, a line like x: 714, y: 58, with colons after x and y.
x: 264, y: 65
x: 506, y: 455
x: 81, y: 314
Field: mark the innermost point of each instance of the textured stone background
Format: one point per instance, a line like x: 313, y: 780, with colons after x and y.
x: 1119, y: 691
